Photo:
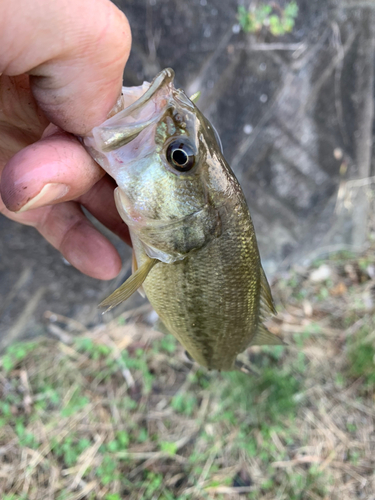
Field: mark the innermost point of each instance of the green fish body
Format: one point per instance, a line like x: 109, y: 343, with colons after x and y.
x: 195, y: 250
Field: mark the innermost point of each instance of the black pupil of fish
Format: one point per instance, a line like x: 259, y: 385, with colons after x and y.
x: 179, y: 157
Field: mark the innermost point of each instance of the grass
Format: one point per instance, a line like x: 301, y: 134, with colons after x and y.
x: 361, y: 356
x: 118, y: 413
x: 268, y: 17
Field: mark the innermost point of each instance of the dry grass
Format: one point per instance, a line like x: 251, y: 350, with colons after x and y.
x: 117, y: 412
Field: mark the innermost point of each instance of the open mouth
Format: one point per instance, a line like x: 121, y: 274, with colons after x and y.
x: 142, y: 106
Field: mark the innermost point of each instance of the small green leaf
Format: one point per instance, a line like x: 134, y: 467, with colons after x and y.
x: 167, y: 447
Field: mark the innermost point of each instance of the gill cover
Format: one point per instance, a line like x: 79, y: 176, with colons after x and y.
x: 155, y: 150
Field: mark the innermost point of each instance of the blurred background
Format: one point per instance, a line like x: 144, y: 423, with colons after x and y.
x: 289, y: 86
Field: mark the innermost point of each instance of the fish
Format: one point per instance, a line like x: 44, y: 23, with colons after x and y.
x: 195, y: 253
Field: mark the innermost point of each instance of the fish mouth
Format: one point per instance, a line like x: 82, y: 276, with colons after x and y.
x: 115, y: 133
x: 165, y: 77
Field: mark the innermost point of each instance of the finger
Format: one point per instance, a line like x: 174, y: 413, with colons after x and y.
x: 68, y: 230
x: 100, y: 202
x: 18, y: 109
x: 76, y: 61
x: 57, y: 168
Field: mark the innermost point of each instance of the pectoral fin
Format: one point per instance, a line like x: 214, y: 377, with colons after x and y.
x: 264, y: 337
x: 134, y: 270
x: 130, y: 286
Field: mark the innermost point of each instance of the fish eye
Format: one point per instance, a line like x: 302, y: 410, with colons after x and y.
x: 180, y: 156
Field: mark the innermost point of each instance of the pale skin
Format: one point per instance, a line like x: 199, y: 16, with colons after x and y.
x: 61, y: 66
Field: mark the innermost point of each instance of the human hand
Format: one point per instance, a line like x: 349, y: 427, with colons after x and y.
x: 61, y: 66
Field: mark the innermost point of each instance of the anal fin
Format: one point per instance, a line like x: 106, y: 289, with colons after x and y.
x: 267, y: 306
x: 265, y: 337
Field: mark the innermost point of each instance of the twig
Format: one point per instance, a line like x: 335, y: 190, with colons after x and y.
x: 364, y: 119
x: 18, y: 327
x: 24, y: 277
x: 338, y: 72
x: 60, y: 334
x: 72, y: 324
x: 277, y: 46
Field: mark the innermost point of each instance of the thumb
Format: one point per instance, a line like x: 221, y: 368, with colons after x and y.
x: 76, y: 61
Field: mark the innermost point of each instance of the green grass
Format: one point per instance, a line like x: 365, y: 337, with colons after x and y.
x: 361, y: 356
x: 75, y: 386
x: 182, y: 432
x: 269, y: 17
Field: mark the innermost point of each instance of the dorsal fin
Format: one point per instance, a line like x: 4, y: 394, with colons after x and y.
x: 194, y: 98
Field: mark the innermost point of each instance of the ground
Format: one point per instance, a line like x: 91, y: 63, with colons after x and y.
x: 116, y: 412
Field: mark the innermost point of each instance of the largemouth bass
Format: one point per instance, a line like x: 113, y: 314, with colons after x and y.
x: 195, y: 251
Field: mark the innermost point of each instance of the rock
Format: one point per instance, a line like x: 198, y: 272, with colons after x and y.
x: 321, y: 274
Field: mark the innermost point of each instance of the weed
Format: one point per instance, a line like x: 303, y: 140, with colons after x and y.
x: 268, y: 397
x: 168, y: 344
x: 169, y: 448
x: 70, y: 449
x: 107, y: 472
x: 25, y: 438
x: 56, y: 407
x: 361, y: 357
x: 76, y: 402
x: 272, y: 18
x: 94, y: 350
x: 15, y: 354
x: 12, y: 496
x: 184, y: 403
x: 120, y: 443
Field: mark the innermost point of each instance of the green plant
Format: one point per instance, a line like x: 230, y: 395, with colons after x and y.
x: 70, y: 449
x: 16, y: 353
x: 278, y: 21
x: 184, y: 403
x: 153, y: 484
x: 76, y: 402
x: 107, y: 470
x: 167, y: 447
x: 361, y: 357
x: 268, y: 397
x: 94, y: 350
x: 120, y: 443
